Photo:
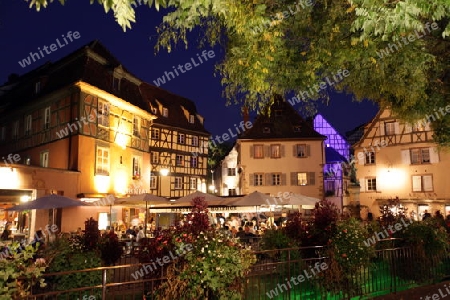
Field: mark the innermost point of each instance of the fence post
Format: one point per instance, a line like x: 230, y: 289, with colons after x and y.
x: 104, y: 284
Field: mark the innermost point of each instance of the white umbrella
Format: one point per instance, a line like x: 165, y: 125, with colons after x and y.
x: 207, y: 197
x: 254, y: 199
x: 299, y: 199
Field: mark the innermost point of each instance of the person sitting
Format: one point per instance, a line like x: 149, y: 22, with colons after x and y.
x: 140, y: 234
x: 241, y: 233
x: 5, y: 234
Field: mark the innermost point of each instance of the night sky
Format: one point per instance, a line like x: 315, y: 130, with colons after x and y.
x: 23, y: 30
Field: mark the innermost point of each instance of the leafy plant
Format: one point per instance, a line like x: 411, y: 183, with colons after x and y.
x: 110, y: 249
x: 19, y: 270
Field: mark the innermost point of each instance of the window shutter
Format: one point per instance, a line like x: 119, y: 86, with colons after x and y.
x: 251, y: 179
x: 434, y: 155
x: 396, y: 128
x: 381, y: 128
x: 251, y: 151
x: 266, y: 151
x: 268, y: 179
x: 308, y: 150
x: 417, y: 183
x: 283, y: 178
x: 361, y: 158
x: 408, y: 128
x: 362, y: 184
x: 294, y: 180
x: 294, y: 150
x: 311, y: 178
x: 406, y: 157
x: 427, y: 183
x: 281, y: 150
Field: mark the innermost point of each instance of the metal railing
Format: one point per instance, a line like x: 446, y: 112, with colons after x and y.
x: 391, y: 270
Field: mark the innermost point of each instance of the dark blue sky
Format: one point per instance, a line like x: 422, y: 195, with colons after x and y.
x: 23, y: 30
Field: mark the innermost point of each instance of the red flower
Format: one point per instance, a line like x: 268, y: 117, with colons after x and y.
x: 344, y: 255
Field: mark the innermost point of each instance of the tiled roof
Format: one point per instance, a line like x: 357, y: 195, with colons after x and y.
x: 283, y: 122
x: 95, y: 65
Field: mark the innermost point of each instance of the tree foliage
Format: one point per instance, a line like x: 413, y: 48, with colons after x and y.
x: 279, y: 47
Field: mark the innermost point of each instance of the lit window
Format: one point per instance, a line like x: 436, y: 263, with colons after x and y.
x: 28, y: 120
x: 179, y: 161
x: 369, y: 158
x: 165, y: 112
x: 276, y: 179
x: 258, y: 151
x: 102, y: 161
x: 155, y: 134
x: 420, y: 156
x: 302, y: 179
x: 389, y: 128
x: 136, y: 126
x: 275, y: 151
x: 178, y: 183
x: 155, y: 157
x: 136, y: 167
x: 422, y: 183
x: 44, y: 159
x: 47, y: 118
x: 194, y: 141
x: 191, y: 119
x: 103, y: 113
x: 181, y: 138
x: 258, y: 179
x: 153, y: 182
x: 301, y: 150
x: 37, y: 87
x: 194, y: 161
x: 371, y: 184
x: 193, y: 183
x: 231, y: 171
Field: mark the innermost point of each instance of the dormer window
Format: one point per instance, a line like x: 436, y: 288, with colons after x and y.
x: 266, y: 129
x: 191, y: 119
x: 116, y: 84
x: 165, y: 112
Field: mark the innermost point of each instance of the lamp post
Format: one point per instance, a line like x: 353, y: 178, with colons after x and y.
x: 212, y: 187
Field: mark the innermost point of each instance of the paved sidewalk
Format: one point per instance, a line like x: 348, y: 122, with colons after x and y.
x: 430, y: 292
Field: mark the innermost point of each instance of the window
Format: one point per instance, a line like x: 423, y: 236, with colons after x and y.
x: 231, y: 171
x: 178, y: 183
x: 389, y: 128
x: 297, y: 128
x: 232, y: 192
x: 275, y: 151
x: 102, y: 161
x: 422, y: 183
x: 154, y: 157
x: 153, y: 182
x: 103, y: 113
x: 191, y: 119
x: 179, y: 161
x: 47, y: 117
x: 420, y: 156
x: 181, y: 138
x: 258, y: 179
x: 37, y: 87
x: 3, y: 134
x: 136, y: 126
x: 276, y: 179
x: 330, y: 188
x: 136, y: 167
x: 155, y: 134
x: 194, y: 162
x: 165, y: 112
x: 369, y: 158
x: 258, y: 151
x: 28, y: 125
x: 44, y: 159
x: 301, y: 150
x: 266, y: 129
x: 116, y: 84
x: 15, y: 132
x: 371, y: 184
x: 194, y: 141
x: 193, y: 183
x: 303, y: 178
